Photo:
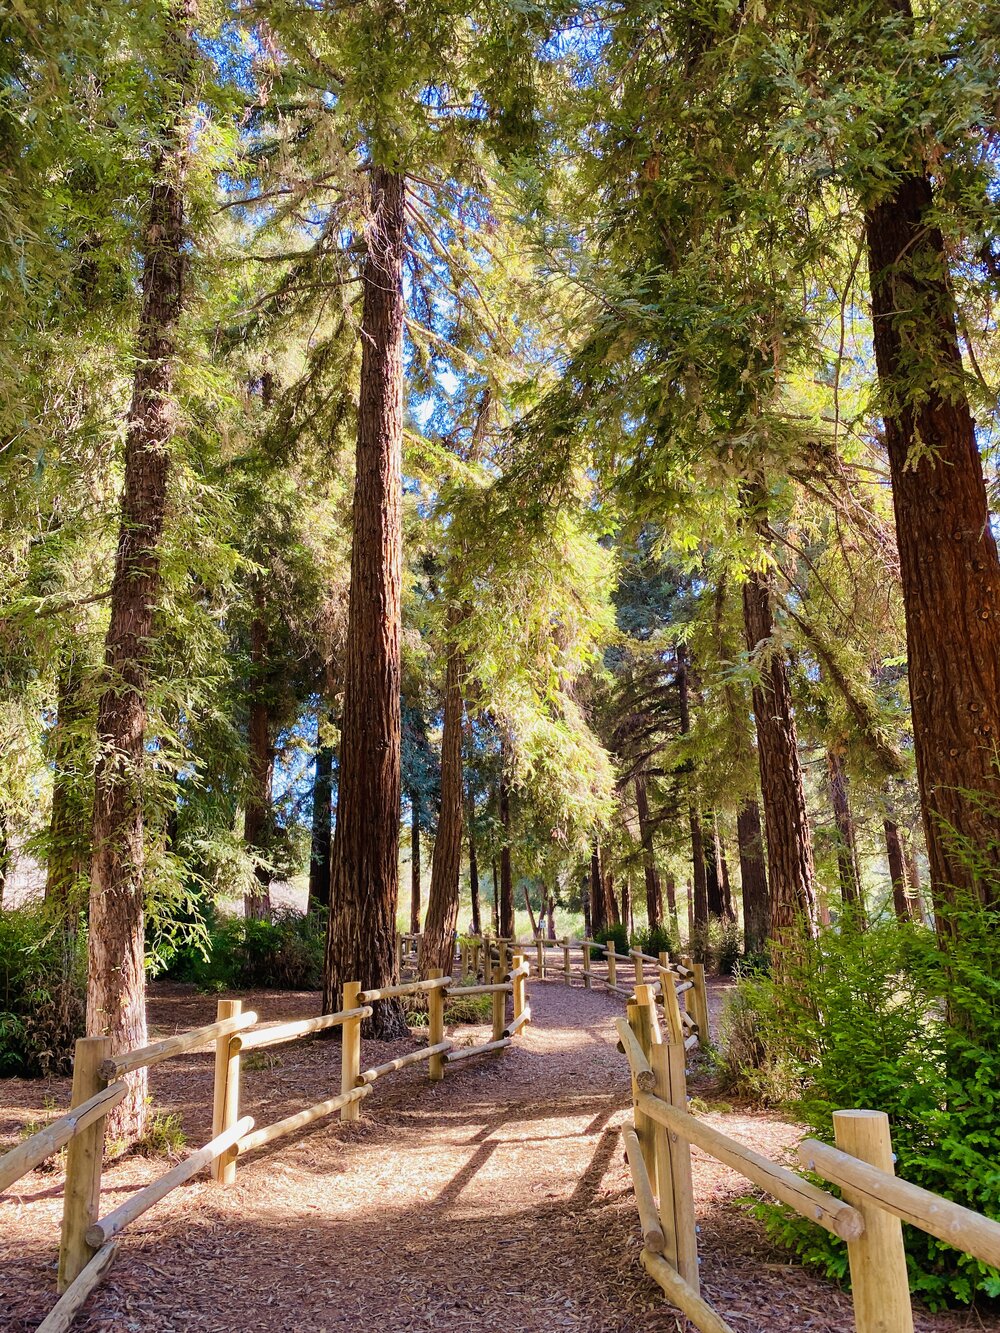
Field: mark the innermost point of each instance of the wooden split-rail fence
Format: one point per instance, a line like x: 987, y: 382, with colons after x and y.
x: 868, y: 1217
x: 479, y: 954
x: 88, y: 1240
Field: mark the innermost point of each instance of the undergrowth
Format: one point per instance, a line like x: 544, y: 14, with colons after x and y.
x: 43, y: 970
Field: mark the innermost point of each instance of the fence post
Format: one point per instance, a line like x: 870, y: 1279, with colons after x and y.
x: 644, y: 1023
x: 586, y: 966
x: 879, y: 1286
x: 566, y: 962
x: 226, y: 1097
x: 640, y: 971
x: 668, y: 1063
x: 502, y: 954
x: 435, y: 1020
x: 475, y: 957
x: 350, y: 1049
x: 84, y: 1158
x: 499, y: 1006
x: 609, y: 949
x: 540, y: 956
x: 518, y: 1001
x: 700, y: 993
x: 399, y: 955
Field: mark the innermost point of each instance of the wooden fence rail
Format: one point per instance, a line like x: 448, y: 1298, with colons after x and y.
x: 87, y: 1245
x: 868, y: 1217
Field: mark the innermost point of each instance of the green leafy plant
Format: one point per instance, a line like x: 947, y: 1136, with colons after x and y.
x: 284, y: 953
x: 654, y: 940
x: 618, y: 934
x: 42, y: 992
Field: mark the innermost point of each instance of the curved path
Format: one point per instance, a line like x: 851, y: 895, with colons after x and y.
x: 497, y: 1199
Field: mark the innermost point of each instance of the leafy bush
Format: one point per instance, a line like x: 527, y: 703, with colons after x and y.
x: 726, y: 944
x: 43, y: 970
x: 654, y: 940
x: 619, y: 934
x: 284, y: 953
x: 885, y: 1019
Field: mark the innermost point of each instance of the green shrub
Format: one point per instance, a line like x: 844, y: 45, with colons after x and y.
x: 726, y: 943
x: 654, y: 940
x: 43, y: 970
x: 860, y: 1019
x: 283, y: 953
x: 619, y: 934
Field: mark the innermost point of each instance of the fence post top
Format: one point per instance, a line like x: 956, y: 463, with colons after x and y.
x: 859, y: 1113
x: 644, y: 994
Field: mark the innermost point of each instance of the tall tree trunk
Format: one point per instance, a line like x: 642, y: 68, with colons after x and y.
x: 789, y: 843
x: 506, y: 877
x: 69, y: 840
x: 473, y: 862
x: 257, y: 818
x: 116, y: 989
x: 531, y: 914
x: 670, y: 884
x: 918, y: 908
x: 627, y: 921
x: 365, y: 861
x: 416, y: 910
x: 550, y: 911
x: 322, y: 829
x: 496, y: 899
x: 847, y: 850
x: 611, y: 908
x: 948, y: 560
x: 713, y: 868
x: 728, y: 910
x: 753, y: 879
x: 700, y: 897
x: 598, y: 911
x: 654, y: 891
x: 438, y: 940
x: 897, y: 873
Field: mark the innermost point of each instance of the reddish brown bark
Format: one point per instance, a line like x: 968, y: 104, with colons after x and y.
x: 713, y: 868
x: 654, y: 890
x: 949, y: 568
x: 598, y: 910
x: 69, y: 838
x: 322, y: 829
x: 438, y: 940
x: 365, y: 860
x: 753, y: 878
x: 847, y: 850
x: 473, y: 858
x: 789, y: 843
x: 506, y: 905
x: 416, y: 910
x: 257, y: 816
x: 897, y: 873
x: 700, y: 894
x: 116, y: 969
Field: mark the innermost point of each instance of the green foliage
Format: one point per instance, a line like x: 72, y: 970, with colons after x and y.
x: 163, y: 1136
x: 285, y: 953
x: 654, y: 940
x: 42, y: 981
x: 619, y: 934
x: 860, y: 1019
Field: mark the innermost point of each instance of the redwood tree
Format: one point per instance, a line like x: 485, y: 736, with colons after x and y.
x: 365, y: 869
x: 437, y: 941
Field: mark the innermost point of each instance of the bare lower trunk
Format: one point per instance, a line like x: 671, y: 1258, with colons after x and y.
x: 598, y: 912
x: 69, y: 832
x: 789, y: 842
x: 437, y: 942
x: 506, y: 876
x: 473, y: 868
x: 531, y: 914
x: 551, y: 914
x: 897, y: 873
x: 728, y: 910
x: 116, y: 989
x: 847, y: 851
x: 753, y: 879
x: 496, y: 899
x: 322, y: 829
x: 365, y: 860
x: 948, y: 561
x: 698, y: 871
x: 257, y: 816
x: 654, y: 891
x: 626, y: 920
x: 918, y: 908
x: 713, y: 869
x: 611, y: 908
x: 416, y: 911
x: 670, y: 883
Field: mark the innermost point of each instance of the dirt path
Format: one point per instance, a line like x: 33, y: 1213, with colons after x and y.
x: 497, y: 1199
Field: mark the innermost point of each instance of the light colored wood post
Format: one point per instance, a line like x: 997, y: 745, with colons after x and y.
x: 475, y: 958
x: 539, y: 957
x: 399, y: 955
x: 879, y: 1286
x: 463, y: 961
x: 586, y: 966
x: 84, y: 1158
x: 609, y: 949
x: 640, y: 972
x: 350, y: 1050
x: 520, y: 992
x: 435, y: 1019
x: 566, y: 962
x: 502, y: 951
x: 226, y: 1100
x: 671, y: 1086
x: 499, y: 1006
x: 646, y: 1027
x: 700, y: 993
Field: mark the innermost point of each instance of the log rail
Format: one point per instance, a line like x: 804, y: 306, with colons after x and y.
x: 88, y: 1241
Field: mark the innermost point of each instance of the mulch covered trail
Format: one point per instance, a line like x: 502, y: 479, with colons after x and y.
x: 496, y: 1199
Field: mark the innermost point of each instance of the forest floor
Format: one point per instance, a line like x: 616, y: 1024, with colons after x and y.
x: 498, y: 1198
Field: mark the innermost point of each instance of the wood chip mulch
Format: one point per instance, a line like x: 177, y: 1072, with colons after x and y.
x: 497, y: 1199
